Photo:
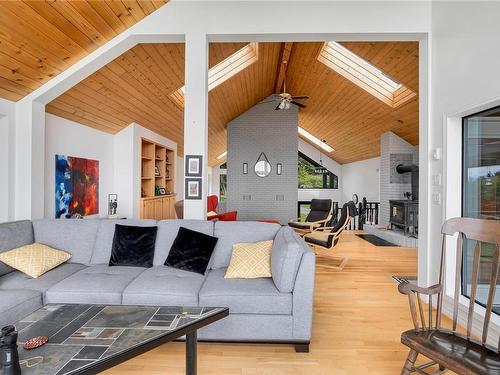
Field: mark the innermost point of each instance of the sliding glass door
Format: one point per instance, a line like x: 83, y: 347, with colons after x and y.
x: 481, y: 191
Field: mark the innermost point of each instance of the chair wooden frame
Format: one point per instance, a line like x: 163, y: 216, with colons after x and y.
x: 313, y: 225
x: 480, y: 231
x: 334, y: 262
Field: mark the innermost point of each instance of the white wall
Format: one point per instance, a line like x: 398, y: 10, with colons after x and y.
x: 65, y: 137
x: 465, y: 79
x: 361, y: 178
x: 123, y: 171
x: 4, y: 168
x: 179, y: 179
x: 118, y: 155
x: 7, y: 160
x: 334, y: 167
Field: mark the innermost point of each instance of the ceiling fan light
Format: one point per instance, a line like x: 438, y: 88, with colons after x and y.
x: 287, y: 105
x: 282, y: 104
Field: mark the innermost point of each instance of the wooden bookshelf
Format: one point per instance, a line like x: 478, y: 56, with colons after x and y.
x: 157, y: 171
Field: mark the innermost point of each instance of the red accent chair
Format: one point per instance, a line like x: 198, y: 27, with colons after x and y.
x: 228, y: 216
x: 212, y: 204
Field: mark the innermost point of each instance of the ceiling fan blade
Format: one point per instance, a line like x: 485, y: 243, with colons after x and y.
x: 300, y: 97
x: 268, y: 101
x: 277, y: 108
x: 298, y: 104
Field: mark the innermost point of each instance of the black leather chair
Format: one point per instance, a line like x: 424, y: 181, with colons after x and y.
x: 320, y: 214
x: 327, y: 237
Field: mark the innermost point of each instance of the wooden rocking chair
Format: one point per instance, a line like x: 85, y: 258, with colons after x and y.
x: 446, y: 347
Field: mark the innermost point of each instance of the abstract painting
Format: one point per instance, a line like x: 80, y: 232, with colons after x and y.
x: 77, y: 186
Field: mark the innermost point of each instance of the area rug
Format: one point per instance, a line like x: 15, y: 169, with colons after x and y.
x: 374, y: 240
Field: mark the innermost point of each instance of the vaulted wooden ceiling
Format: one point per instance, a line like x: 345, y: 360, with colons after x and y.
x: 40, y: 39
x: 349, y: 118
x: 137, y: 87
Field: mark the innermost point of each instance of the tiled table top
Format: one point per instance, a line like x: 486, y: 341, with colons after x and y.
x: 81, y: 335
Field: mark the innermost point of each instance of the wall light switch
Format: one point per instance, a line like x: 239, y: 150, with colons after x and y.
x: 436, y: 198
x: 436, y: 153
x: 436, y: 179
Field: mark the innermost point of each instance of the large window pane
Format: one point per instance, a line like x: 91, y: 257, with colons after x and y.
x: 481, y: 192
x: 310, y: 179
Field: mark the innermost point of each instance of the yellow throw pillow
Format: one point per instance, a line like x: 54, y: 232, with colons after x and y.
x: 250, y: 260
x: 35, y: 259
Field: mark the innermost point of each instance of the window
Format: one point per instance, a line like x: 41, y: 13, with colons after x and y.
x: 309, y: 179
x: 481, y: 192
x: 365, y: 75
x: 315, y: 140
x: 224, y: 70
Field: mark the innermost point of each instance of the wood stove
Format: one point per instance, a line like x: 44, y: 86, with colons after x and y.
x: 404, y: 215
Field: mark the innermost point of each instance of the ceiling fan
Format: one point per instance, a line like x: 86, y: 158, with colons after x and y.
x: 285, y: 99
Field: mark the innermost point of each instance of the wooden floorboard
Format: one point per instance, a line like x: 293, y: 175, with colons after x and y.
x: 358, y: 319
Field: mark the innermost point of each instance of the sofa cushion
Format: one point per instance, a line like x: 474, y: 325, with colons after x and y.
x: 164, y: 286
x: 105, y: 234
x: 191, y: 251
x: 133, y: 246
x: 95, y: 284
x: 19, y: 280
x: 244, y: 296
x: 12, y: 235
x: 231, y: 232
x: 17, y: 304
x: 76, y: 237
x: 287, y: 253
x: 167, y: 232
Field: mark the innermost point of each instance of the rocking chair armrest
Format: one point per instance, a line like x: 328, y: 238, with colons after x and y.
x: 407, y: 288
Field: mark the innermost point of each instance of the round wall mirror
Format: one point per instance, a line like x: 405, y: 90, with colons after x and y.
x: 262, y: 168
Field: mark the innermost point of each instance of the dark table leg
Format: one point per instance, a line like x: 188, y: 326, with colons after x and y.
x: 191, y: 351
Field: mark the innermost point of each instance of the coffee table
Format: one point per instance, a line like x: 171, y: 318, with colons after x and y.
x: 87, y: 339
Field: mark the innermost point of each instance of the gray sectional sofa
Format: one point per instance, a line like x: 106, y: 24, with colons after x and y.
x: 277, y: 309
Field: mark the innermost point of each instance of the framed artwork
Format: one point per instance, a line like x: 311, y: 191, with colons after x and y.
x: 157, y: 171
x: 192, y: 189
x: 193, y: 165
x: 77, y: 187
x: 162, y: 191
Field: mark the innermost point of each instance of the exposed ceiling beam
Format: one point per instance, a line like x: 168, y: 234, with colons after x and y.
x: 286, y: 49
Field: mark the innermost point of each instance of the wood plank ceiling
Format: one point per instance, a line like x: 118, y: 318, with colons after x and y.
x: 137, y: 86
x: 40, y: 39
x: 346, y: 116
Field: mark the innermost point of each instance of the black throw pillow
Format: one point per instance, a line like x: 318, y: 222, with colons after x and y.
x: 133, y: 246
x: 191, y: 251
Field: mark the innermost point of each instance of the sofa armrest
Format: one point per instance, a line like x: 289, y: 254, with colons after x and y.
x: 303, y: 297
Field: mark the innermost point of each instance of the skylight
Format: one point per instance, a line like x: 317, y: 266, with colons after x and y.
x: 226, y: 69
x: 364, y: 74
x: 222, y: 156
x: 315, y: 140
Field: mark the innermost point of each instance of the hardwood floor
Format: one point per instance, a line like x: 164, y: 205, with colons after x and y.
x: 358, y: 319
